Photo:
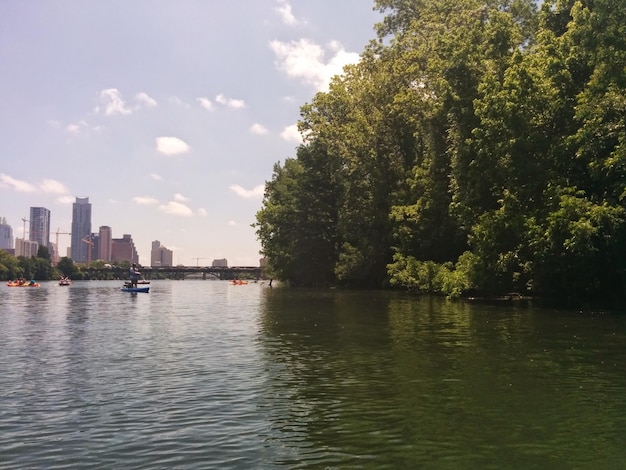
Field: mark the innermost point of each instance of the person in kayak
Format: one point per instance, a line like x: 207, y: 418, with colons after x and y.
x: 133, y: 274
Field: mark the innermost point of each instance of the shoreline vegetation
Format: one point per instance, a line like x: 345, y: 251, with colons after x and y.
x: 477, y: 149
x: 40, y: 267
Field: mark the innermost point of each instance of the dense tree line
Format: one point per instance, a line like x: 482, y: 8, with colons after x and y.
x: 22, y: 267
x: 478, y: 146
x: 40, y: 268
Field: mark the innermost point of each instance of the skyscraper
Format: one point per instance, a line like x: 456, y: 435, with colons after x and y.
x: 39, y: 226
x: 159, y: 255
x: 81, y: 229
x: 6, y: 235
x: 106, y: 243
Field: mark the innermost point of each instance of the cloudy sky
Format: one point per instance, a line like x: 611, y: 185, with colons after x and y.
x: 168, y: 115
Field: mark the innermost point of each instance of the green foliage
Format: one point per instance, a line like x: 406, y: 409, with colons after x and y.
x: 478, y: 146
x: 428, y: 277
x: 67, y: 267
x: 10, y: 267
x: 582, y: 248
x: 277, y: 222
x: 43, y: 253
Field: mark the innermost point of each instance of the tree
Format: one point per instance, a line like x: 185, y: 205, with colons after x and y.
x: 477, y: 145
x: 9, y: 267
x: 278, y: 221
x: 43, y: 253
x: 67, y: 267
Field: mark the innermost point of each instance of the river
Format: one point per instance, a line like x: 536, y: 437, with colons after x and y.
x: 205, y: 374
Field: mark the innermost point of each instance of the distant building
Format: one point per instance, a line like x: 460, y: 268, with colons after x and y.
x: 6, y: 235
x: 53, y: 249
x: 160, y: 256
x: 26, y: 248
x: 220, y: 263
x: 39, y: 226
x: 94, y: 238
x: 106, y: 243
x: 81, y: 229
x: 123, y: 249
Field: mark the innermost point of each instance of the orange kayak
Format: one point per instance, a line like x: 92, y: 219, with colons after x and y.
x: 22, y: 284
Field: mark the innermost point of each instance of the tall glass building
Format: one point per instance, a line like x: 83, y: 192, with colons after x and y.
x: 81, y: 229
x: 6, y: 235
x: 39, y: 226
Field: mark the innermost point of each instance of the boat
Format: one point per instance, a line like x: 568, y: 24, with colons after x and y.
x: 237, y: 282
x: 22, y: 283
x: 135, y: 289
x: 65, y: 281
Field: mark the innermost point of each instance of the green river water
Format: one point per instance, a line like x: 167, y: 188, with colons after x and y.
x: 204, y: 374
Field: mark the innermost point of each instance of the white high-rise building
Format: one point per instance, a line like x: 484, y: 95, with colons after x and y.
x: 26, y: 248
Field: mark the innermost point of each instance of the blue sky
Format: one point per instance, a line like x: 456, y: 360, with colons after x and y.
x: 168, y: 115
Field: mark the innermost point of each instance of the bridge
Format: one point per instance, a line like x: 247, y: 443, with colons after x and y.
x: 182, y: 272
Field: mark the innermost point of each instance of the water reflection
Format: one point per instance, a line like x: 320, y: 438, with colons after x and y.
x: 395, y: 381
x: 208, y: 375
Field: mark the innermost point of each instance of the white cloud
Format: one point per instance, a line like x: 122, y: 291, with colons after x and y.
x: 205, y: 103
x: 230, y: 102
x: 171, y: 146
x: 66, y: 199
x: 254, y: 193
x: 180, y: 198
x: 156, y: 177
x: 7, y: 181
x: 176, y: 208
x: 47, y: 185
x: 284, y: 10
x: 81, y: 127
x: 202, y: 212
x: 77, y: 127
x: 53, y: 186
x: 145, y: 200
x: 304, y: 60
x: 291, y: 134
x: 146, y: 100
x: 258, y: 129
x: 232, y: 223
x: 113, y: 103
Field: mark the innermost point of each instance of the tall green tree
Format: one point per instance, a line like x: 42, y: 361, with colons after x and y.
x: 356, y: 123
x: 9, y: 267
x: 446, y: 50
x: 277, y: 224
x: 67, y: 267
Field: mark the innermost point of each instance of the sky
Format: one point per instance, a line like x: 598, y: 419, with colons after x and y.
x: 168, y: 115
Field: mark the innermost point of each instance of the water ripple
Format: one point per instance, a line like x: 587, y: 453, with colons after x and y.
x: 203, y: 375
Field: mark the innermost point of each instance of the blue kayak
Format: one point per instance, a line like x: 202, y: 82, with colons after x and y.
x: 136, y: 289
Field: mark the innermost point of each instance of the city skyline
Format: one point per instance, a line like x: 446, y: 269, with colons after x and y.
x: 86, y: 245
x: 101, y: 244
x: 90, y: 246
